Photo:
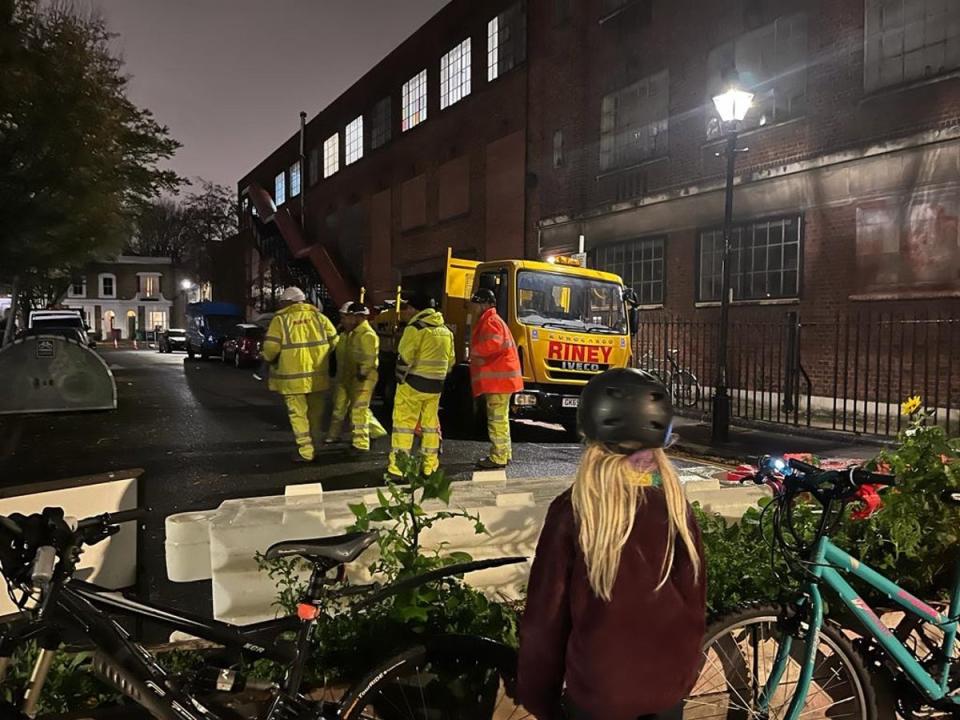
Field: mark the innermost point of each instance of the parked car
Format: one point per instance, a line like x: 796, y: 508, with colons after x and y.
x: 207, y: 327
x: 172, y: 339
x: 242, y: 344
x: 75, y: 334
x: 68, y: 323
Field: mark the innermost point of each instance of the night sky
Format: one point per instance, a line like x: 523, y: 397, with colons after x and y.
x: 230, y: 77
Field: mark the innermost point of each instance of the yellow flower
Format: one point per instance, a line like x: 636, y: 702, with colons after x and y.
x: 910, y: 405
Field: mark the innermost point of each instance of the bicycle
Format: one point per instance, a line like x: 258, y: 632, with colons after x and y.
x: 446, y: 677
x: 684, y: 388
x: 789, y: 662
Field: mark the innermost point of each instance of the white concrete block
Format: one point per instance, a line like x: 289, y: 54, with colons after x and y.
x: 490, y: 476
x: 519, y: 499
x: 114, y: 561
x: 303, y: 489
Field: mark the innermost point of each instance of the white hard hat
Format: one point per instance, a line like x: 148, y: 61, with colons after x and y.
x: 293, y: 294
x: 345, y: 308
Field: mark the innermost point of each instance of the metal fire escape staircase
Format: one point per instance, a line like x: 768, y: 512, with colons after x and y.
x: 280, y: 236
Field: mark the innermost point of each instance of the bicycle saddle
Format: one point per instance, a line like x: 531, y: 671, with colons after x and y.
x: 340, y: 549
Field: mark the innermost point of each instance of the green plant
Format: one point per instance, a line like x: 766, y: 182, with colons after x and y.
x: 916, y: 536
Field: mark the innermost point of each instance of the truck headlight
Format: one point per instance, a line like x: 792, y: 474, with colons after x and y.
x: 524, y: 399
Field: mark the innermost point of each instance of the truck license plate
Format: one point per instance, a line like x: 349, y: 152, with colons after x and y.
x: 571, y: 402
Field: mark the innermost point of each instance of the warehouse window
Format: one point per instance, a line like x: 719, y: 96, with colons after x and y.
x: 380, y: 125
x: 414, y: 105
x: 455, y: 74
x: 331, y: 155
x: 640, y: 263
x: 295, y: 179
x: 280, y: 189
x: 634, y: 122
x: 354, y: 141
x: 506, y: 40
x: 771, y: 62
x: 314, y: 172
x: 558, y: 148
x: 764, y: 261
x: 908, y: 40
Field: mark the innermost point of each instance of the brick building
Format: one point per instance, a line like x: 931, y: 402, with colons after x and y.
x: 426, y: 151
x: 592, y: 121
x: 131, y: 294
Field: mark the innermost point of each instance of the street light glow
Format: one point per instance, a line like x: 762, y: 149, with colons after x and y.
x: 733, y: 104
x: 186, y: 284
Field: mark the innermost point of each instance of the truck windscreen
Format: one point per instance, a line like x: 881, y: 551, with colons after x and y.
x: 568, y: 302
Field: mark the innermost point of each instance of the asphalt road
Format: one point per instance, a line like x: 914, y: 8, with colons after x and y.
x: 205, y: 432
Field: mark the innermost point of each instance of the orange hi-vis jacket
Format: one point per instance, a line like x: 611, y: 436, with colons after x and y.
x: 494, y: 362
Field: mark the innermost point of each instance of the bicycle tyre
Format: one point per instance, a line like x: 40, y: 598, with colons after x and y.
x: 685, y: 389
x: 709, y: 701
x: 449, y: 677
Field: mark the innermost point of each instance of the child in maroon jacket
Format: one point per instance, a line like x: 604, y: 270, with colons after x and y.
x: 616, y: 603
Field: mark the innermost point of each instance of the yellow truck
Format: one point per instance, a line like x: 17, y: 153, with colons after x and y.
x: 569, y: 323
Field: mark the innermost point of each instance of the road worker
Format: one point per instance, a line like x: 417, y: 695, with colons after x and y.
x: 424, y: 358
x: 495, y: 374
x: 297, y: 346
x: 356, y: 379
x: 341, y: 397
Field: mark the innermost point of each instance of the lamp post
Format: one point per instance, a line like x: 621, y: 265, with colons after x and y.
x: 732, y: 106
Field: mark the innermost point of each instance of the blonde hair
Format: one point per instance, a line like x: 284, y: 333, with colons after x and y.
x: 606, y: 494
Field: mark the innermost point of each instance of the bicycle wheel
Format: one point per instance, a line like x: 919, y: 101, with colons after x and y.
x: 685, y: 389
x: 738, y: 656
x: 447, y: 678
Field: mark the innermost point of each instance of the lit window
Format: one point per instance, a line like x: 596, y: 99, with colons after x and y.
x: 149, y: 285
x: 908, y: 40
x: 639, y: 262
x: 634, y: 122
x: 764, y: 261
x: 280, y: 189
x: 771, y: 63
x: 380, y: 125
x: 506, y: 40
x: 331, y: 155
x: 414, y: 101
x: 295, y: 179
x: 354, y: 141
x: 455, y: 74
x: 157, y: 320
x: 314, y: 166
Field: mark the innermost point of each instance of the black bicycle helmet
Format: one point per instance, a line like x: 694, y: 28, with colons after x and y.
x: 625, y: 406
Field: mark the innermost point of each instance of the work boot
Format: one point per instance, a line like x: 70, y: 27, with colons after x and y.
x: 392, y: 477
x: 300, y: 459
x: 356, y: 453
x: 488, y: 464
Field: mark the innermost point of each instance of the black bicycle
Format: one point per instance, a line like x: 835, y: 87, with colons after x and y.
x: 444, y: 677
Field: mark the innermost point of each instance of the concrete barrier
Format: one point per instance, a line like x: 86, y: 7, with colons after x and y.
x: 512, y: 511
x: 112, y: 563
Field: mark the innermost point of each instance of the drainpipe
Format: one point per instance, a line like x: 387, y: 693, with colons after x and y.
x: 303, y: 170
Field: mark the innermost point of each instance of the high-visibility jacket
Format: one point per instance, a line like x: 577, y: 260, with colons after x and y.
x: 298, y: 344
x: 425, y: 353
x: 494, y: 362
x: 363, y: 349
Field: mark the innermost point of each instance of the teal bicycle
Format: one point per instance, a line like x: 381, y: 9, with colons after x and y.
x: 793, y: 662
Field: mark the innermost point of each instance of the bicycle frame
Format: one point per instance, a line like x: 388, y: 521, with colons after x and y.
x: 826, y: 566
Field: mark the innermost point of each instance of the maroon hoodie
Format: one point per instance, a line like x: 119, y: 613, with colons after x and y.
x: 636, y: 655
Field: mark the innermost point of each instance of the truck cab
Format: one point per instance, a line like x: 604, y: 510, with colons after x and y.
x: 570, y: 323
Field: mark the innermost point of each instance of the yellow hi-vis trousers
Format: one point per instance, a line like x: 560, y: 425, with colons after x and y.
x: 354, y: 398
x: 498, y: 427
x: 409, y: 407
x: 306, y: 414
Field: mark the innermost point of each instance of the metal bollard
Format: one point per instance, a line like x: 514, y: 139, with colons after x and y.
x: 37, y: 680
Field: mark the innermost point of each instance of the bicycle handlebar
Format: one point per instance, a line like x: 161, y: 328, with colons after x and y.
x: 112, y: 518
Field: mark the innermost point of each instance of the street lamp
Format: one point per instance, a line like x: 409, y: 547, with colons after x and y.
x: 732, y: 106
x: 186, y: 284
